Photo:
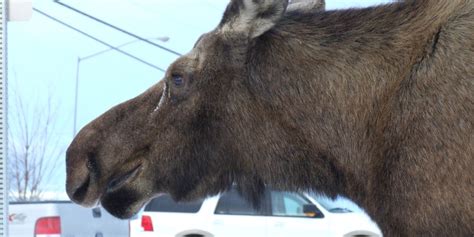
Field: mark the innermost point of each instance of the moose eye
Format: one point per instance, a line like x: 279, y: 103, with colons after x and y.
x: 178, y: 80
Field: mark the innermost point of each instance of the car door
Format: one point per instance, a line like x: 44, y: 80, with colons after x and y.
x: 236, y: 217
x: 287, y: 218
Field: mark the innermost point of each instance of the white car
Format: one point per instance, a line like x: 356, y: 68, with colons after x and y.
x: 228, y: 215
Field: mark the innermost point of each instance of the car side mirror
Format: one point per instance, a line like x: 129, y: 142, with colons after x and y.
x: 311, y: 210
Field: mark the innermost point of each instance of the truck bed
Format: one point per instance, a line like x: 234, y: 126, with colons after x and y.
x: 75, y: 221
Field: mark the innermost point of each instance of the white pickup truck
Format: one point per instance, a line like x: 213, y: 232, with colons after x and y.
x: 62, y: 218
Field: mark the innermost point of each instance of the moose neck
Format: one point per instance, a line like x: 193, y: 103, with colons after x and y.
x: 328, y: 90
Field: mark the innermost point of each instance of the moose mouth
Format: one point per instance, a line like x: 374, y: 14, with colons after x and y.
x: 119, y: 181
x: 88, y: 195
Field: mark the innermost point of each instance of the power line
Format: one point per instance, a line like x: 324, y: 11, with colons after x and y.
x: 98, y: 40
x: 117, y: 28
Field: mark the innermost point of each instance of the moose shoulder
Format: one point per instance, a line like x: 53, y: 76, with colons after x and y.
x: 374, y: 104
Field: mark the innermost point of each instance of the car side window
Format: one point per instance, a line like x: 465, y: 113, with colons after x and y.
x: 288, y: 204
x: 165, y: 203
x: 232, y: 203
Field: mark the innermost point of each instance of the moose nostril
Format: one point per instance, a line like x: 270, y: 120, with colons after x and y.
x: 91, y: 164
x: 81, y: 192
x: 82, y: 172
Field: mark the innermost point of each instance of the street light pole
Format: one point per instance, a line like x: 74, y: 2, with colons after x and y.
x: 162, y: 39
x: 76, y: 94
x: 78, y: 64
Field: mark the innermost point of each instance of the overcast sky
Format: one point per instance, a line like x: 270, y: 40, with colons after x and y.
x: 43, y: 55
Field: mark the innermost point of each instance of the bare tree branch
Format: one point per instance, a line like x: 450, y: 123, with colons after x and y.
x: 34, y: 145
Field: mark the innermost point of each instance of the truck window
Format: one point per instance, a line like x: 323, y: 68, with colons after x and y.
x: 166, y: 204
x: 232, y: 203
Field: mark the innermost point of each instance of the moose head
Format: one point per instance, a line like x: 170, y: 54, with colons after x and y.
x: 194, y: 133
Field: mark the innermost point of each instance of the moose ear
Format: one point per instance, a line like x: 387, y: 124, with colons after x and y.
x: 307, y: 5
x: 252, y: 17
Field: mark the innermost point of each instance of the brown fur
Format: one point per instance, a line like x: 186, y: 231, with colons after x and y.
x: 374, y: 104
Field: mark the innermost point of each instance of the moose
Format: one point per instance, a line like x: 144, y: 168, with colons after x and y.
x: 375, y: 104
